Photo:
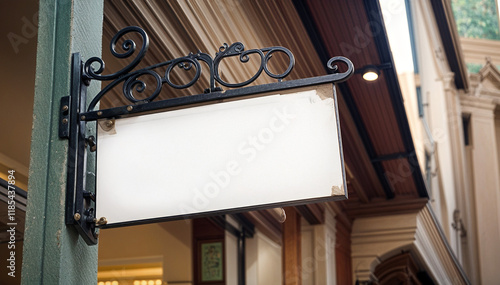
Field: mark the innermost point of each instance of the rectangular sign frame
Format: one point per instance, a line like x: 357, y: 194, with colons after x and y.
x: 278, y: 112
x: 78, y: 118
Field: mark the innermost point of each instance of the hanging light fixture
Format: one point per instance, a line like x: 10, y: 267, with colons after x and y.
x: 372, y: 72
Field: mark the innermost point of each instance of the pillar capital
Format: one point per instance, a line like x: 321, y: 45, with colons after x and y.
x: 448, y: 79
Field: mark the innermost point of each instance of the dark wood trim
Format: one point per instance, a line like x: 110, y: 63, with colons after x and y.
x: 313, y: 213
x: 205, y: 230
x: 343, y: 261
x: 292, y: 256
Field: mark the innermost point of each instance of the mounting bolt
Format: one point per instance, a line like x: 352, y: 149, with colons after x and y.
x: 99, y: 113
x: 102, y: 221
x: 77, y: 217
x: 65, y: 108
x: 65, y: 121
x: 107, y: 124
x: 82, y: 118
x: 91, y: 142
x: 90, y: 220
x: 129, y: 108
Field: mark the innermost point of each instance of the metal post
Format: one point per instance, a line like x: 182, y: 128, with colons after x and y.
x: 53, y: 252
x: 241, y: 257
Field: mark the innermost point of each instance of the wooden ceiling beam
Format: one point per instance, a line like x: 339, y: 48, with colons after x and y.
x: 313, y: 213
x: 266, y: 222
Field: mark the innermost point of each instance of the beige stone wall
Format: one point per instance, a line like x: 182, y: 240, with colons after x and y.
x: 376, y: 239
x: 485, y: 178
x: 465, y: 188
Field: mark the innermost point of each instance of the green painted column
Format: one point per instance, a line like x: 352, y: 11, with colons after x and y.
x: 53, y: 252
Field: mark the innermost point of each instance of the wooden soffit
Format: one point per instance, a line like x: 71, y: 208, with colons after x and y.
x: 373, y: 143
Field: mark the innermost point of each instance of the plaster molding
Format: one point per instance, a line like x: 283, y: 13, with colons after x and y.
x: 486, y: 83
x: 385, y: 207
x: 475, y: 82
x: 432, y: 249
x: 448, y: 40
x: 432, y: 34
x: 375, y: 239
x: 476, y: 50
x: 477, y: 105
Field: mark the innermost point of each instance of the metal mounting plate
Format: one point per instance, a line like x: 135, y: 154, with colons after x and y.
x: 79, y: 203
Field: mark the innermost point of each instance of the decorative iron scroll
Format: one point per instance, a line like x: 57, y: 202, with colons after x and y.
x: 94, y: 67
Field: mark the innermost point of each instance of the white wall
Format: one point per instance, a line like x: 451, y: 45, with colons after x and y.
x: 263, y: 260
x: 435, y: 78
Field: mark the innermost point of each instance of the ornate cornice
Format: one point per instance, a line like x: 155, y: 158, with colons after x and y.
x: 484, y: 90
x: 472, y: 103
x: 375, y: 239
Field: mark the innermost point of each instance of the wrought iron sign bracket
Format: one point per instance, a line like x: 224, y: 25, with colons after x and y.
x: 80, y: 202
x: 75, y: 113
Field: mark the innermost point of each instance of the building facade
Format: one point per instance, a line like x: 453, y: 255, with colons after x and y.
x: 420, y: 148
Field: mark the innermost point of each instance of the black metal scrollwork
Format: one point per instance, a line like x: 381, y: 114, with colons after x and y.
x: 129, y: 46
x: 132, y: 82
x: 335, y: 68
x: 265, y: 54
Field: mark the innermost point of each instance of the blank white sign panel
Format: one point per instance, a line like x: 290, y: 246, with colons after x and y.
x: 266, y: 151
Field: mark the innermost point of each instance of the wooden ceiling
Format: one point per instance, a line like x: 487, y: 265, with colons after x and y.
x: 382, y: 172
x: 356, y: 29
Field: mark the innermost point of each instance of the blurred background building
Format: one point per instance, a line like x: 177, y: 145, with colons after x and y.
x: 420, y: 142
